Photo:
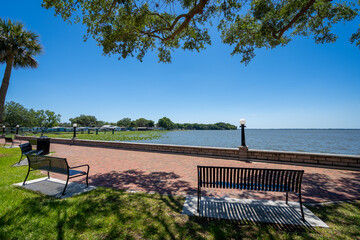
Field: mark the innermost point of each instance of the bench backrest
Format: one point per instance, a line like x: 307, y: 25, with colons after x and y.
x: 8, y: 139
x: 33, y: 141
x: 278, y: 180
x: 25, y: 148
x: 52, y: 164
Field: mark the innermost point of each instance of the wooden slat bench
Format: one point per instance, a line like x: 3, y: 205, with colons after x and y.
x: 56, y: 165
x: 259, y: 179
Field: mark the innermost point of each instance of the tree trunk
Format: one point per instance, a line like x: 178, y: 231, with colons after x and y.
x: 5, y: 85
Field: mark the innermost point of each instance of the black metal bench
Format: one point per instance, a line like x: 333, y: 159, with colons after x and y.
x: 26, y: 149
x: 276, y: 180
x: 10, y: 140
x: 56, y: 165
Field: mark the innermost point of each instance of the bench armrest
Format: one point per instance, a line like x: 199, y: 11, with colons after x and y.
x: 38, y: 152
x: 84, y: 165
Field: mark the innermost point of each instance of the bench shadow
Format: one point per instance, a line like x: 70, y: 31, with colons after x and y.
x: 286, y: 217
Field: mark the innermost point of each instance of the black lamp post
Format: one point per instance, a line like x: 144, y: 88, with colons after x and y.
x: 4, y: 130
x: 242, y: 125
x: 17, y: 129
x: 74, y: 125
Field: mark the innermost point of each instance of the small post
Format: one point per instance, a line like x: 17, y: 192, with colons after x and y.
x: 17, y: 129
x: 89, y: 131
x: 4, y: 130
x: 74, y: 125
x: 242, y: 125
x: 97, y: 131
x: 113, y: 131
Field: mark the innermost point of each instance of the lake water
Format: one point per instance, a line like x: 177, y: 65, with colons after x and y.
x: 300, y: 140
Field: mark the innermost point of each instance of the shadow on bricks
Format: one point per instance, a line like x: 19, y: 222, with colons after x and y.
x: 138, y: 180
x: 319, y: 187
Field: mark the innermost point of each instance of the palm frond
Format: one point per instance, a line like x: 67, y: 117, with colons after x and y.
x: 19, y: 43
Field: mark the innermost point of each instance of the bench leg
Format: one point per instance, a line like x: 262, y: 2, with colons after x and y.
x: 198, y: 200
x: 301, y: 207
x: 87, y: 176
x: 20, y: 158
x: 67, y: 181
x: 26, y: 176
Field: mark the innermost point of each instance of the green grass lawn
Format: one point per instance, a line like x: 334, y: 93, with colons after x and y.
x: 113, y: 214
x: 108, y: 136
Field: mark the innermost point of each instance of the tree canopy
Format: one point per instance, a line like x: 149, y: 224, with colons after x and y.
x: 125, y: 122
x: 142, y: 122
x: 17, y: 114
x: 134, y: 27
x: 166, y: 123
x: 84, y: 121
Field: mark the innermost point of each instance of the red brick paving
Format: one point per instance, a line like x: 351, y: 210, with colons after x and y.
x: 176, y: 174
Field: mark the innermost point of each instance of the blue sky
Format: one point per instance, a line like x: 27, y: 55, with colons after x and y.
x: 302, y: 85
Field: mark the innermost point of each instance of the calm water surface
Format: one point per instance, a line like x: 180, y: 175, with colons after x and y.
x: 320, y: 141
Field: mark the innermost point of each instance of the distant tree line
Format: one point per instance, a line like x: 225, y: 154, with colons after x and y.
x: 91, y: 121
x: 17, y: 114
x: 166, y: 123
x: 169, y: 125
x: 199, y: 126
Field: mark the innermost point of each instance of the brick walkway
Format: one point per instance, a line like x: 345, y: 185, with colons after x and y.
x: 176, y: 174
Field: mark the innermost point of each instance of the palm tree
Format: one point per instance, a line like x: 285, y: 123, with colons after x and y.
x: 18, y: 47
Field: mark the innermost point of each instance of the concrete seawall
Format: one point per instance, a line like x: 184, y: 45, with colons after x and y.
x: 241, y: 153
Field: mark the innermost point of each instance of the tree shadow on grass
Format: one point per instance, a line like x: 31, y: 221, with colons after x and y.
x: 114, y: 214
x: 343, y: 219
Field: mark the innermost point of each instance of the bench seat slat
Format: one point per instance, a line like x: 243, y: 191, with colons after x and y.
x: 248, y: 186
x: 74, y: 172
x: 64, y: 171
